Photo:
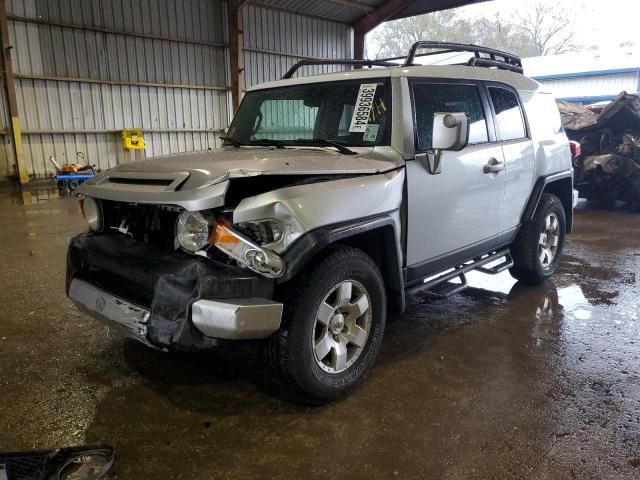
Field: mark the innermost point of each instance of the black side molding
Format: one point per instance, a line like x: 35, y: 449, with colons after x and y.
x: 415, y: 274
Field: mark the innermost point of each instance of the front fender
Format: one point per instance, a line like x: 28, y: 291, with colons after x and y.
x: 308, y: 207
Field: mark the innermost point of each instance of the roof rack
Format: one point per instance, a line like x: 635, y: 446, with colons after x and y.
x: 495, y: 58
x: 492, y: 58
x: 358, y: 63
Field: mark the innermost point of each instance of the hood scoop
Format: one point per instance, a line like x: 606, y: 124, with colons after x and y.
x: 143, y: 182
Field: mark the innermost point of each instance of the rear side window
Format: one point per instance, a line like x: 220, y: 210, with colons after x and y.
x: 509, y: 114
x: 430, y: 98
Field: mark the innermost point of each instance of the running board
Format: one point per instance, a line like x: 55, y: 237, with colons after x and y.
x: 442, y: 287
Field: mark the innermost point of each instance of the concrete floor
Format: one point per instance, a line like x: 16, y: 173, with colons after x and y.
x: 502, y: 381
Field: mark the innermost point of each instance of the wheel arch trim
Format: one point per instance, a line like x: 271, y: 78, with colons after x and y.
x: 383, y: 229
x: 554, y: 183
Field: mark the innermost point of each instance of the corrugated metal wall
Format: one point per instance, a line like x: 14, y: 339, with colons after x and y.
x: 86, y: 69
x: 595, y: 85
x: 274, y: 40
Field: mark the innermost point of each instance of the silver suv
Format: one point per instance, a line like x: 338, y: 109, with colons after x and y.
x: 333, y: 197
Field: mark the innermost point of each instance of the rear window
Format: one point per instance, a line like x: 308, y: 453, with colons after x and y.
x: 509, y: 114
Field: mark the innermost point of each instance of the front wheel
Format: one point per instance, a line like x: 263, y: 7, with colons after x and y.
x: 540, y: 241
x: 332, y: 328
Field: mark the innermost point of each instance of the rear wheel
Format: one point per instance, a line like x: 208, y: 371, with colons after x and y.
x: 332, y: 327
x: 539, y: 244
x: 635, y: 194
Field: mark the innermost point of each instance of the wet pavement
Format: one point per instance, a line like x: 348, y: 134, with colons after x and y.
x: 501, y: 381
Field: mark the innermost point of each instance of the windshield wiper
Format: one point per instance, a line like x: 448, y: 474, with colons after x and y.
x: 338, y: 146
x: 232, y: 141
x: 267, y: 142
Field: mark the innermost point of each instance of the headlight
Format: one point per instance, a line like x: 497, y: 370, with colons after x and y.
x: 92, y: 212
x: 246, y: 252
x: 192, y: 231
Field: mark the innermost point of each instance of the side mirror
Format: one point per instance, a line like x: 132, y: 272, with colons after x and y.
x: 450, y: 132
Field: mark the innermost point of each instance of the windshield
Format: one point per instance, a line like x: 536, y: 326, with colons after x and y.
x: 353, y: 113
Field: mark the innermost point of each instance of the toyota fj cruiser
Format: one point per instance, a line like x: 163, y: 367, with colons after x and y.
x: 333, y: 197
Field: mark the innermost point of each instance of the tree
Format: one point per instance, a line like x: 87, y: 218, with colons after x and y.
x: 395, y: 38
x: 500, y: 34
x: 536, y: 30
x: 550, y: 29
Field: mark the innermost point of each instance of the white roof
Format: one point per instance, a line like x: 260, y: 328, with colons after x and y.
x: 581, y: 63
x: 516, y: 80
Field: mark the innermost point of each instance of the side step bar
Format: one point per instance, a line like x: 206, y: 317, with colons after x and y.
x: 442, y: 287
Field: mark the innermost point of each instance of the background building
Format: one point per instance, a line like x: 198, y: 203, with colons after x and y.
x: 82, y: 71
x: 587, y: 77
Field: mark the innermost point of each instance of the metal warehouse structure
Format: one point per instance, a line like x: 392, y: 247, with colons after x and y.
x: 587, y: 77
x: 78, y: 72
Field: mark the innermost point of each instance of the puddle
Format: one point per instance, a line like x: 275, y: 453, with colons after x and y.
x: 32, y: 196
x: 574, y: 301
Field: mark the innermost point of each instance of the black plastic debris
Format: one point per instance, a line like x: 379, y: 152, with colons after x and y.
x: 89, y: 462
x: 609, y: 167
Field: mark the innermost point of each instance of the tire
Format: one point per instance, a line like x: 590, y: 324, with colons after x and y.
x: 73, y: 184
x: 635, y: 195
x: 62, y: 184
x: 533, y: 261
x: 306, y: 373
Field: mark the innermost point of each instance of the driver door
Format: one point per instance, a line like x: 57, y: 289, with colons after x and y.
x: 458, y: 210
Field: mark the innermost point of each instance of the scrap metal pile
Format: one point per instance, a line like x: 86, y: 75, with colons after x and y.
x: 608, y: 168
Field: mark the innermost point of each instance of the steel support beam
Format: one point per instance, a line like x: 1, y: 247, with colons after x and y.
x: 236, y: 51
x: 10, y: 86
x: 371, y: 20
x: 88, y: 28
x: 120, y: 82
x: 357, y: 5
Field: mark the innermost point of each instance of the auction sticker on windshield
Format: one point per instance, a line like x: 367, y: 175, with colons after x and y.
x: 363, y: 106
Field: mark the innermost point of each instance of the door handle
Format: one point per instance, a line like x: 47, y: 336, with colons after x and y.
x: 494, y: 166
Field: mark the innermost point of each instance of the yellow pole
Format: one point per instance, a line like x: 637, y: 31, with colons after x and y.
x: 23, y: 176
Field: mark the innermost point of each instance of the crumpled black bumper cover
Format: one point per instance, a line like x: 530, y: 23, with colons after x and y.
x: 165, y: 283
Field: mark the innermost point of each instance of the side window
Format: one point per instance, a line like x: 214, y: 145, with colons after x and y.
x: 430, y: 98
x: 510, y: 118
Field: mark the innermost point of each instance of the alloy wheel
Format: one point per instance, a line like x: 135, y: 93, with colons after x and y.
x: 342, y: 326
x: 549, y: 240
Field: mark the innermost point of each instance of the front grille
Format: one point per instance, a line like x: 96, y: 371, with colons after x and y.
x: 120, y: 286
x: 151, y: 224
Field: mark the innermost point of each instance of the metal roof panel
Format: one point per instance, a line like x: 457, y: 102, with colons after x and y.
x: 346, y: 11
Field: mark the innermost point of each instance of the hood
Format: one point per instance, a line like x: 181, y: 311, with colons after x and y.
x: 180, y: 177
x: 209, y: 167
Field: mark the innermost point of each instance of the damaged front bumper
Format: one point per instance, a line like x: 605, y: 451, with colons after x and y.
x: 168, y: 300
